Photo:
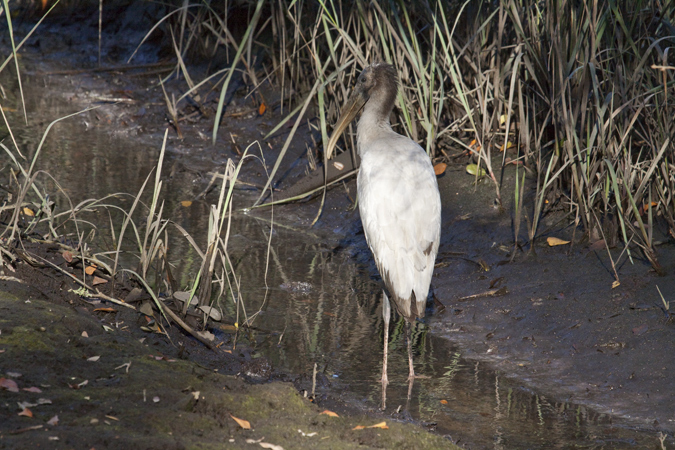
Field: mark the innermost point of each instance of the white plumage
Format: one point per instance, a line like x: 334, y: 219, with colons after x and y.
x: 399, y: 201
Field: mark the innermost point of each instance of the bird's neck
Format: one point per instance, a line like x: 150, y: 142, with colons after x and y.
x: 372, y: 125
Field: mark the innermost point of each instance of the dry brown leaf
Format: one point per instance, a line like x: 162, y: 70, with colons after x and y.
x: 186, y: 203
x: 553, y: 241
x: 98, y: 280
x: 262, y: 108
x: 90, y: 269
x: 616, y: 284
x: 26, y: 412
x: 359, y: 427
x: 29, y: 212
x: 33, y: 389
x: 444, y: 402
x: 10, y: 385
x: 329, y: 413
x: 439, y: 169
x: 245, y: 424
x: 67, y: 256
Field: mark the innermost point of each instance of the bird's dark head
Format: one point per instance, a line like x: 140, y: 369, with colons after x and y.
x: 377, y: 86
x: 378, y: 83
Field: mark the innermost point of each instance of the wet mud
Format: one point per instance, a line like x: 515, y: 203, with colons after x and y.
x: 534, y: 351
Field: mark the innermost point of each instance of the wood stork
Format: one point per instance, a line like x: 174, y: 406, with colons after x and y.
x: 399, y: 202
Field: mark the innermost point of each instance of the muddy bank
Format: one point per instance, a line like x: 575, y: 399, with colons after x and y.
x: 88, y: 378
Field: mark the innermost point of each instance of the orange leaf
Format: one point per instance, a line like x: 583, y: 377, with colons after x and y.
x: 382, y: 425
x: 98, y: 280
x: 26, y: 412
x: 90, y: 269
x: 106, y: 309
x: 186, y: 203
x: 262, y: 108
x: 245, y: 424
x: 330, y: 413
x: 444, y: 402
x: 439, y: 169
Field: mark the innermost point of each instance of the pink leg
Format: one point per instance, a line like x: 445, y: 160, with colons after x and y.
x: 411, y: 372
x: 386, y: 314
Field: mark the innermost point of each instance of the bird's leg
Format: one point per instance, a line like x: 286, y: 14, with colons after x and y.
x: 386, y: 314
x: 408, y: 335
x: 411, y: 372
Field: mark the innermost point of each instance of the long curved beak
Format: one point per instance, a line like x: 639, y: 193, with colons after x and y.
x: 348, y: 113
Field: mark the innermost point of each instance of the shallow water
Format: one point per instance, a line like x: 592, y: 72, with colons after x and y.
x: 315, y: 304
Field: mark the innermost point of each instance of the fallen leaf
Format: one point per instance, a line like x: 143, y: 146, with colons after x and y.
x: 439, y: 169
x: 29, y: 212
x: 85, y: 334
x: 90, y: 269
x: 155, y: 399
x: 98, y: 280
x: 112, y: 418
x: 10, y: 385
x: 94, y: 358
x: 262, y: 108
x: 329, y: 413
x: 597, y: 245
x: 444, y: 402
x: 473, y: 169
x: 108, y: 309
x: 616, y: 284
x: 26, y: 412
x: 186, y: 203
x: 508, y: 146
x: 271, y: 446
x: 53, y: 421
x: 67, y: 256
x: 382, y: 425
x: 338, y: 165
x: 640, y: 330
x: 245, y: 424
x: 553, y: 241
x: 33, y: 389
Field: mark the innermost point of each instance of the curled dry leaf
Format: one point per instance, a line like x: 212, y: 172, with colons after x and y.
x: 439, y: 169
x: 8, y: 384
x: 553, y: 241
x: 245, y: 424
x: 329, y: 413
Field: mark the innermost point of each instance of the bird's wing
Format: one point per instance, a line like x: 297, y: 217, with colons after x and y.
x: 400, y: 210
